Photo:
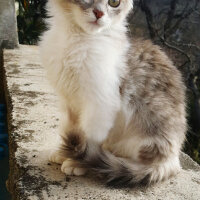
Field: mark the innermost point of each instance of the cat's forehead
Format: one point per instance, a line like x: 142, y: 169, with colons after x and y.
x: 89, y: 3
x: 85, y: 3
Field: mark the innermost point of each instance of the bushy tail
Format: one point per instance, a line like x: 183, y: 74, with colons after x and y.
x: 117, y: 172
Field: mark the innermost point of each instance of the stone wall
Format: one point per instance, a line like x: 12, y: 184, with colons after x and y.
x: 8, y: 27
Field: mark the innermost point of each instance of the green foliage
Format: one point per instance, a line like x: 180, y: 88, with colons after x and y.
x: 30, y: 20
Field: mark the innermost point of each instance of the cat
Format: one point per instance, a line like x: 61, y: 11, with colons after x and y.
x: 122, y: 100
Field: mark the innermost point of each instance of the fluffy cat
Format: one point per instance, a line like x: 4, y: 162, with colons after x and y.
x: 122, y: 100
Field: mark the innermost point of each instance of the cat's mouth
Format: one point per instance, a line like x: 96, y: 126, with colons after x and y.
x: 95, y: 23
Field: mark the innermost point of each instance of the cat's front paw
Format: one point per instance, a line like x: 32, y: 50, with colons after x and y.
x: 68, y: 167
x: 56, y: 157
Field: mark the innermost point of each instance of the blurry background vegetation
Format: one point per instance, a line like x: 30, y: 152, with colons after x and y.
x: 172, y: 24
x: 30, y: 19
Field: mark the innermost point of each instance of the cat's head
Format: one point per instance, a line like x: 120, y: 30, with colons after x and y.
x: 96, y: 15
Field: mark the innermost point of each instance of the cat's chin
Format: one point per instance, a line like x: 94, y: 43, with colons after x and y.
x: 92, y: 28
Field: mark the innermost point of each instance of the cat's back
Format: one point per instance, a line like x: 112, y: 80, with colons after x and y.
x: 153, y: 73
x: 150, y: 57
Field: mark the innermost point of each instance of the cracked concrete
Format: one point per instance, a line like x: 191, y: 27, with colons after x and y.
x: 33, y: 119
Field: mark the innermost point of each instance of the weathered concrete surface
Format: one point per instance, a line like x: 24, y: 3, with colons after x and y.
x: 8, y: 24
x: 33, y: 119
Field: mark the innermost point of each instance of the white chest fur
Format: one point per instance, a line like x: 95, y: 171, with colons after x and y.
x: 83, y: 64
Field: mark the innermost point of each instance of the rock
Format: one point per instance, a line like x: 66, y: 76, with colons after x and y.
x: 32, y: 114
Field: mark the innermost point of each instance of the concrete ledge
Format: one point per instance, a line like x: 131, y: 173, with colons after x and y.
x: 33, y: 119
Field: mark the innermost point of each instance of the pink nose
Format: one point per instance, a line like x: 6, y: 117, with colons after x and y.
x: 98, y: 13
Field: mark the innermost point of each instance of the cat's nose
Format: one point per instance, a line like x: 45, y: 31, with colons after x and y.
x: 98, y: 13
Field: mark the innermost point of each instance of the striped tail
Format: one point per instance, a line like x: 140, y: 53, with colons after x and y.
x: 117, y: 172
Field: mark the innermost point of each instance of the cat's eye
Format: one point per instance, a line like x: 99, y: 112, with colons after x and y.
x: 114, y: 3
